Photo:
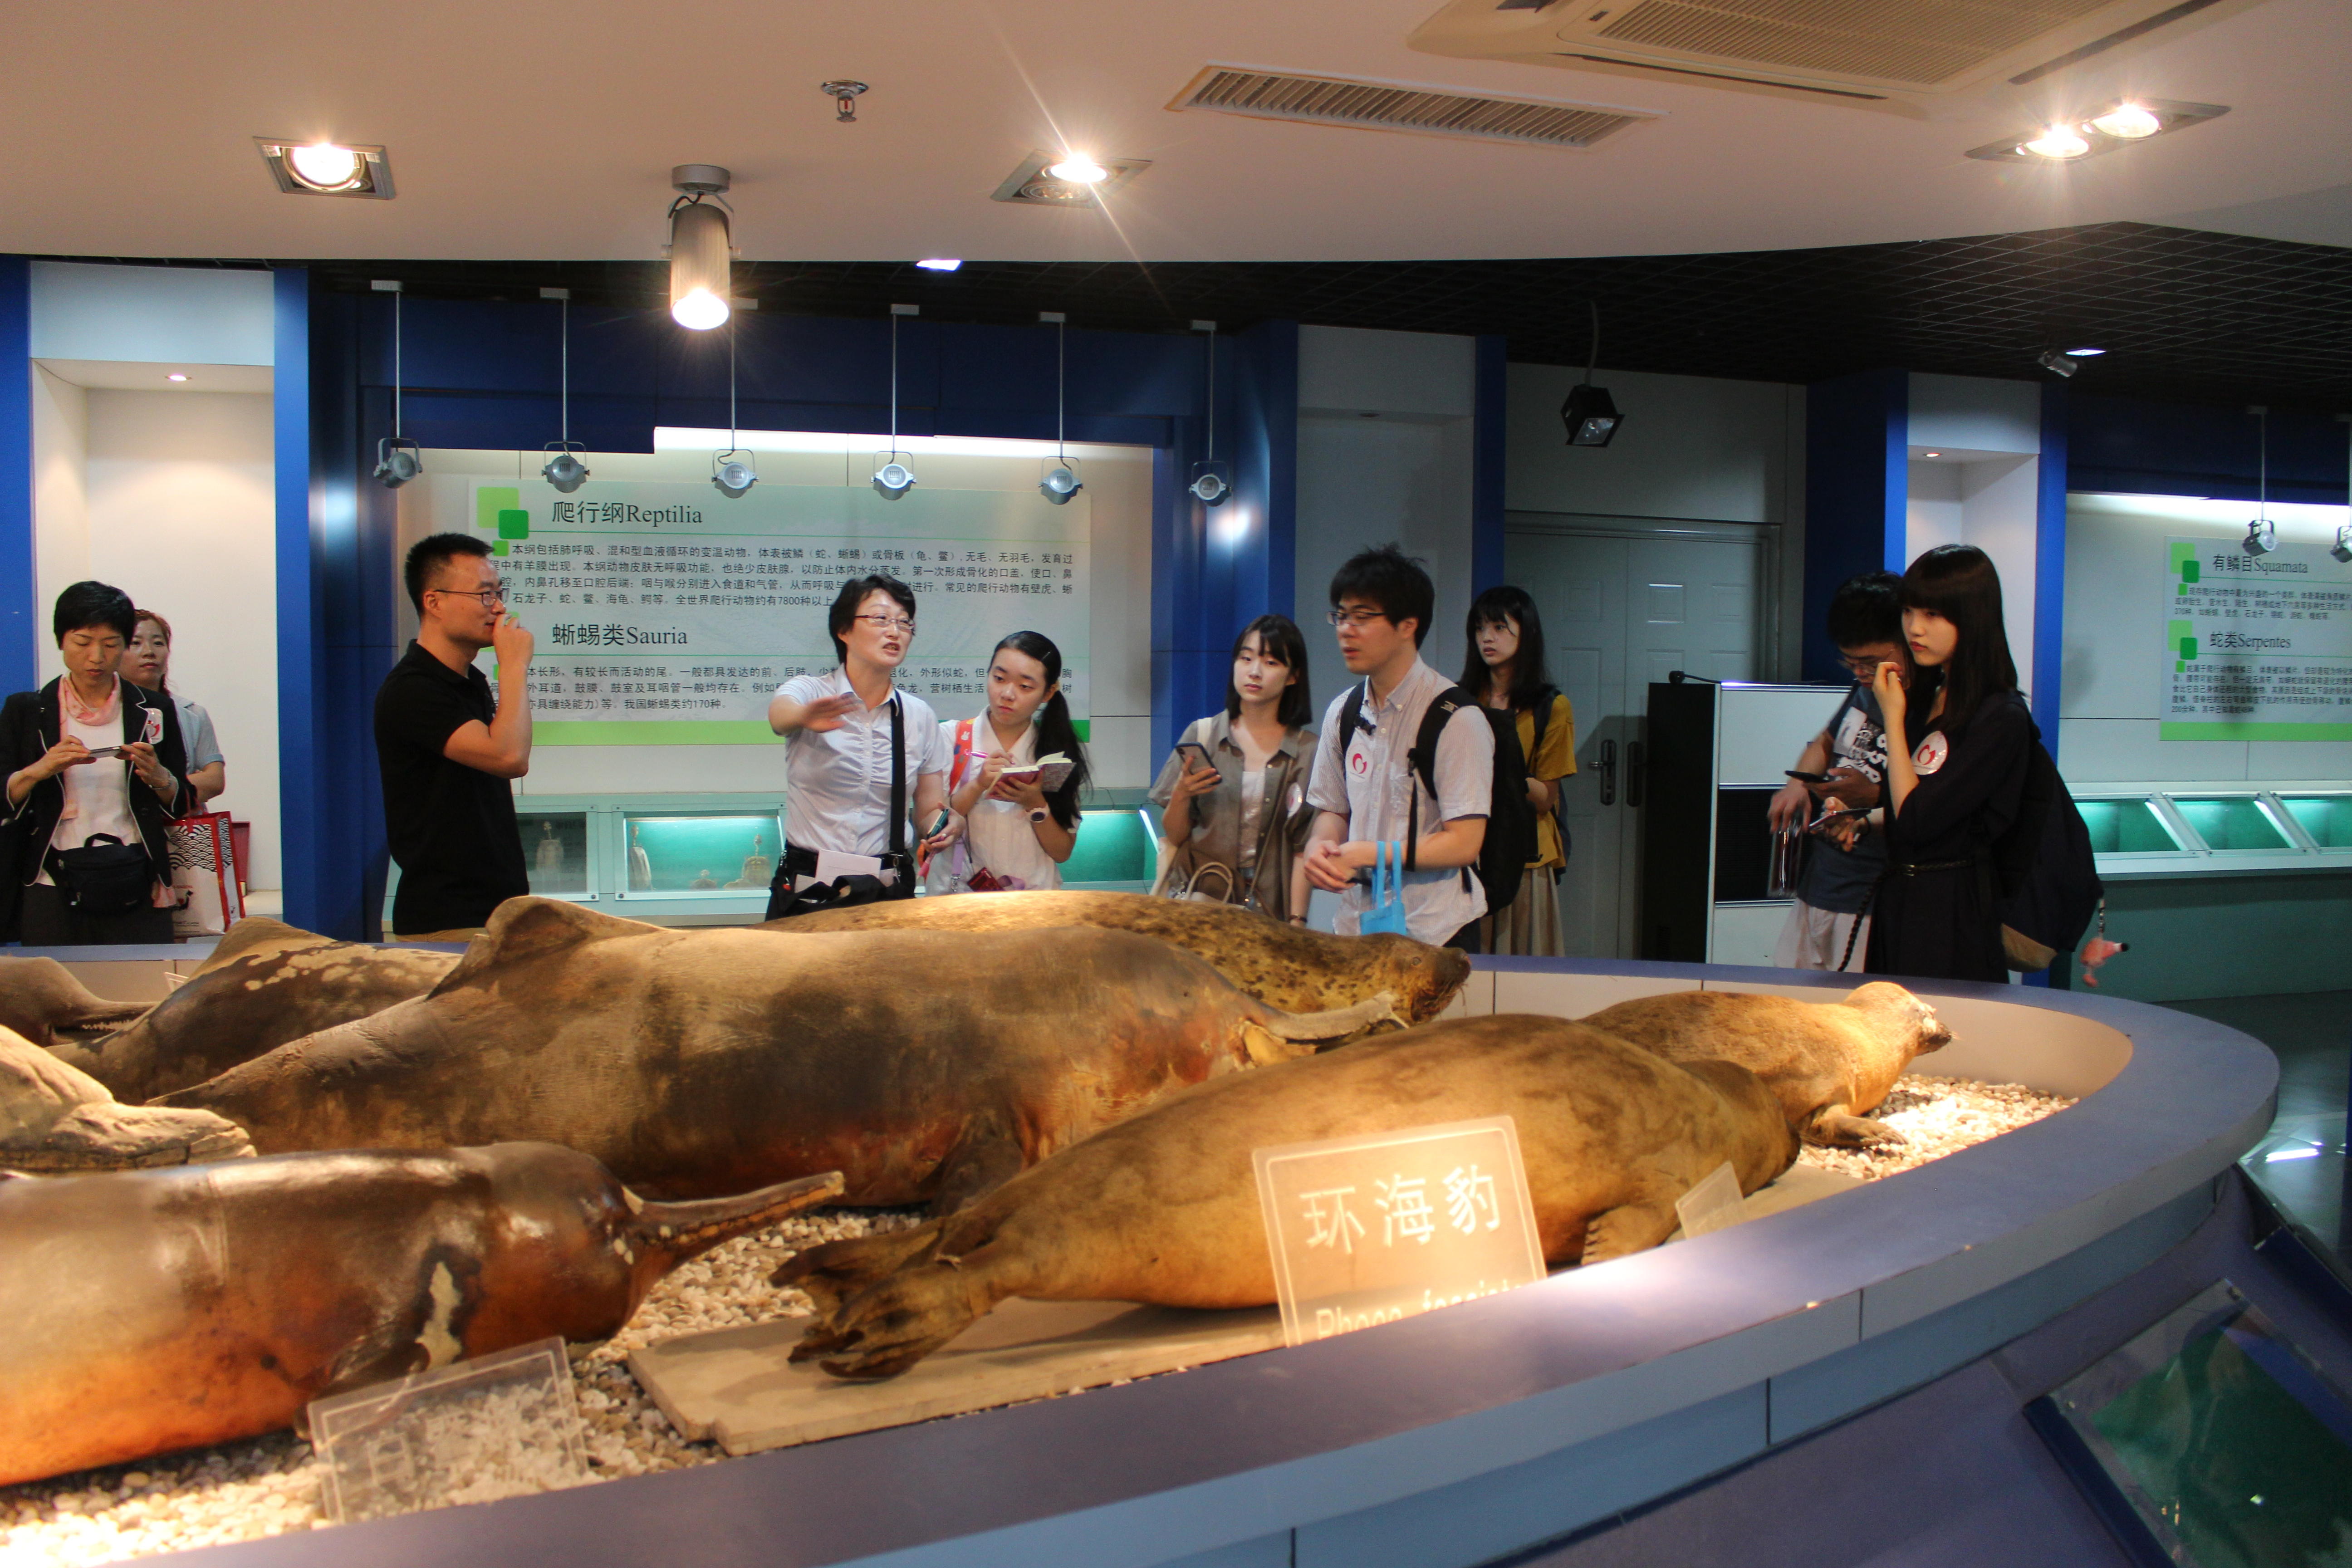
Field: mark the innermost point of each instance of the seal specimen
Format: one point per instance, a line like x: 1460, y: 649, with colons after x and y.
x: 1830, y: 1062
x: 40, y: 996
x: 53, y: 1118
x: 1288, y: 966
x: 160, y: 1309
x: 266, y: 983
x: 924, y: 1066
x: 1163, y: 1209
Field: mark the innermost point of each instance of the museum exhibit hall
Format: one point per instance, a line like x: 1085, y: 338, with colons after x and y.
x: 1473, y: 783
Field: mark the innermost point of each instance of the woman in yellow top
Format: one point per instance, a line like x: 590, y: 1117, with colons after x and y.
x: 1506, y: 670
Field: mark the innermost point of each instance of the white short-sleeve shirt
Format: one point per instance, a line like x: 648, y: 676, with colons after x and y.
x: 1373, y: 786
x: 837, y: 781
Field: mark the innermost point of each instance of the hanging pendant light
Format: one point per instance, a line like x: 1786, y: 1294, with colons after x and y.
x: 892, y: 478
x: 2261, y: 533
x: 397, y: 461
x: 1213, y: 481
x: 1061, y: 481
x: 731, y: 473
x: 2343, y: 551
x: 701, y: 249
x: 564, y: 470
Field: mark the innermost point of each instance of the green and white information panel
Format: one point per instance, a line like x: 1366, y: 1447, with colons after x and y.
x: 2257, y: 647
x: 666, y: 613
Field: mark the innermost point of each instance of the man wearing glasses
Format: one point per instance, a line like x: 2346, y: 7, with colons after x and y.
x: 1835, y: 786
x: 447, y: 751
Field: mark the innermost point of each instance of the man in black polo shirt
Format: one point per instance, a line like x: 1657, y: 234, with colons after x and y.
x: 447, y: 751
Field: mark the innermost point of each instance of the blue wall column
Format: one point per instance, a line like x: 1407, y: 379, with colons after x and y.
x: 2050, y: 567
x: 20, y: 616
x: 1857, y: 457
x: 1216, y: 569
x: 1489, y: 446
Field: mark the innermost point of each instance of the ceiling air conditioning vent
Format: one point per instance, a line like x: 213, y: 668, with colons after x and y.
x: 1392, y: 106
x: 1902, y: 54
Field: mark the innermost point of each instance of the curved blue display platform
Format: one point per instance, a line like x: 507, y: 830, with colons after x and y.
x: 1467, y: 1436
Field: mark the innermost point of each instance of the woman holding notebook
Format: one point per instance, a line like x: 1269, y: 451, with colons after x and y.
x: 1015, y: 777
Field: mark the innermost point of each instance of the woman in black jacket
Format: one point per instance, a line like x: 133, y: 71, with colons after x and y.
x: 1957, y: 746
x: 90, y: 756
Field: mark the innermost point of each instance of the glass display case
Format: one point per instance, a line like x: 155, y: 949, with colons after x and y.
x: 556, y: 854
x: 2233, y: 822
x: 698, y: 853
x: 2327, y: 818
x: 2131, y: 824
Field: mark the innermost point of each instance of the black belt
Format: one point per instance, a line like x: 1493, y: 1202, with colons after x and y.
x: 800, y: 862
x: 1916, y: 868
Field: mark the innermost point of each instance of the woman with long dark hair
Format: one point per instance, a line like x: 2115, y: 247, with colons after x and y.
x: 1505, y: 670
x: 1958, y: 741
x: 1017, y: 832
x: 1232, y: 796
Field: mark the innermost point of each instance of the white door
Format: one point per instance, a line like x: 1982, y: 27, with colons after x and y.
x: 1623, y: 607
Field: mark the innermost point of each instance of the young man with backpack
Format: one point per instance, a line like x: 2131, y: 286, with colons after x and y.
x: 1404, y: 772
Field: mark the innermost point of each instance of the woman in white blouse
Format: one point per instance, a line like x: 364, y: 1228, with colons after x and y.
x: 1017, y: 832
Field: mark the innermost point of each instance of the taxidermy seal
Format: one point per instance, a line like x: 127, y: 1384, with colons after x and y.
x: 40, y: 996
x: 160, y: 1309
x: 53, y: 1118
x: 1828, y: 1062
x: 266, y: 983
x: 923, y: 1066
x: 1285, y: 965
x: 1163, y: 1209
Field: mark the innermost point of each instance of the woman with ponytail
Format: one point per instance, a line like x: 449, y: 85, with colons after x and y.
x: 1958, y: 743
x: 1018, y: 833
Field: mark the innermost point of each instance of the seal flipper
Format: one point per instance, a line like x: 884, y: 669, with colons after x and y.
x: 1835, y: 1126
x: 526, y: 927
x: 1628, y: 1229
x: 896, y: 1324
x: 833, y: 1272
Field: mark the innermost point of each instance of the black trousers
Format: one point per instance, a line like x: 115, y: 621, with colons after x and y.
x: 46, y: 921
x: 1465, y: 940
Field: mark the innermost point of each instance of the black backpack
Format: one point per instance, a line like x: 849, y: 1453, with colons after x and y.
x: 1510, y: 842
x: 2045, y: 878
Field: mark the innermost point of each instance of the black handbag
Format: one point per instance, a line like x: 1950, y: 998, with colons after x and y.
x: 104, y: 876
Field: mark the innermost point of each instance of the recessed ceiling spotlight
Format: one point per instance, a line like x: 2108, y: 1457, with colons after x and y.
x: 1078, y: 170
x: 2057, y: 141
x: 2101, y: 129
x: 1931, y: 454
x: 326, y: 168
x: 2128, y: 122
x: 176, y: 375
x: 2057, y: 363
x: 2085, y: 353
x: 939, y: 264
x: 1067, y: 179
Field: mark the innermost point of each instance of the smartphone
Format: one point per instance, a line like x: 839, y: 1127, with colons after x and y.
x: 1196, y: 749
x: 106, y: 750
x: 938, y: 823
x: 1808, y: 778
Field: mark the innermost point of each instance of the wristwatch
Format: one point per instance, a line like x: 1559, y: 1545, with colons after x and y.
x: 1039, y: 814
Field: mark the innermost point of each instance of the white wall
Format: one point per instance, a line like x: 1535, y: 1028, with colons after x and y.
x: 2113, y: 696
x: 60, y: 498
x: 1993, y: 503
x: 202, y: 315
x: 1692, y: 448
x: 1118, y: 501
x: 1384, y: 457
x: 183, y: 517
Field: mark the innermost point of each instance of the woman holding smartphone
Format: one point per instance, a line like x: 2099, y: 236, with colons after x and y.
x: 1506, y: 670
x: 1958, y: 741
x: 1018, y: 833
x: 1232, y: 797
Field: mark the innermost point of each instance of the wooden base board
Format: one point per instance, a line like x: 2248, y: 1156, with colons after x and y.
x: 736, y: 1385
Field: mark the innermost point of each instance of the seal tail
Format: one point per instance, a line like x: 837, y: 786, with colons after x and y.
x: 678, y: 1232
x: 1279, y: 1036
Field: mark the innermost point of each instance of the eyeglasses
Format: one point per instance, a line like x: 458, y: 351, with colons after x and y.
x: 1355, y: 618
x: 489, y: 597
x: 887, y: 623
x: 1862, y: 669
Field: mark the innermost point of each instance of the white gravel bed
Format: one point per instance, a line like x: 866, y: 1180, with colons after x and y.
x: 1938, y: 1116
x: 269, y: 1484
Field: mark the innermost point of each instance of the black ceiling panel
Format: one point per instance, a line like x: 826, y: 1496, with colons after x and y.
x: 2183, y: 314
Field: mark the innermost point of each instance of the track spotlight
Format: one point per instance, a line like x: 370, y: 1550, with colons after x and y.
x: 1061, y: 481
x: 731, y: 473
x: 2343, y: 551
x: 397, y: 462
x: 1590, y: 413
x: 893, y: 478
x: 1212, y: 481
x: 2261, y: 533
x: 2057, y: 363
x: 701, y: 258
x: 2261, y: 537
x: 564, y: 470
